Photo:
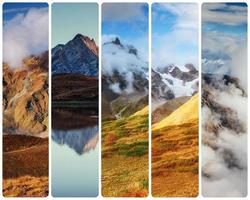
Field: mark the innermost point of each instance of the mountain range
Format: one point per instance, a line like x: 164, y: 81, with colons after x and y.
x: 173, y: 81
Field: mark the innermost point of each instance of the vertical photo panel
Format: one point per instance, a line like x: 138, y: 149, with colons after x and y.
x: 175, y: 100
x: 75, y: 157
x: 224, y: 99
x: 25, y: 100
x: 125, y: 99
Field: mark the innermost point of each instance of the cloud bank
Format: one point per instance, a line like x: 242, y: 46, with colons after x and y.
x: 25, y: 35
x: 224, y: 153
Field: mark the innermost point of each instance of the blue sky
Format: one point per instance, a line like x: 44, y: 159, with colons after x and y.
x: 174, y: 34
x: 128, y: 21
x: 68, y: 19
x: 224, y: 39
x: 10, y: 10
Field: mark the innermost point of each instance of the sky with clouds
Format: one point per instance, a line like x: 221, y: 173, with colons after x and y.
x: 128, y: 21
x: 25, y: 31
x: 174, y: 34
x: 68, y: 19
x: 224, y: 39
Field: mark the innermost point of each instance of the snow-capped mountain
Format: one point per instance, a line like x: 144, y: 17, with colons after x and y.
x: 123, y: 70
x: 79, y: 55
x: 174, y: 81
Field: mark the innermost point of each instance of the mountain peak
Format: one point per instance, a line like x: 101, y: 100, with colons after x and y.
x: 79, y: 55
x: 117, y: 41
x: 79, y: 35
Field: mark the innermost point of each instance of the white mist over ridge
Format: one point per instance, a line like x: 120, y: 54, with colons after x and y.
x: 122, y: 64
x: 25, y: 35
x: 224, y: 138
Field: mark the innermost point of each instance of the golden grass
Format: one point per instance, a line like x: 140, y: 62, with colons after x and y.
x: 175, y: 153
x: 125, y: 156
x: 25, y: 166
x: 26, y: 186
x: 187, y: 113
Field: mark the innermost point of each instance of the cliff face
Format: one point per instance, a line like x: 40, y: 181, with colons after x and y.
x: 25, y: 97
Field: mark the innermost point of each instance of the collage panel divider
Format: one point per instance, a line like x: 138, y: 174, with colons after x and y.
x: 125, y: 100
x: 224, y: 102
x: 25, y: 96
x: 75, y: 100
x: 175, y: 99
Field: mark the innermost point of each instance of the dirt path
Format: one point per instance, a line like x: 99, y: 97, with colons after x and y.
x: 23, y: 150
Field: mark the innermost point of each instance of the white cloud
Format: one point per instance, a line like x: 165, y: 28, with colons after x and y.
x: 235, y: 15
x: 24, y: 35
x: 224, y: 180
x: 117, y: 58
x: 180, y: 45
x: 122, y: 12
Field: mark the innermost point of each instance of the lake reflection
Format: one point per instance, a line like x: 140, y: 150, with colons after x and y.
x: 74, y: 152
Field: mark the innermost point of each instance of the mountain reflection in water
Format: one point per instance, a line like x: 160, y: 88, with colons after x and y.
x: 75, y: 127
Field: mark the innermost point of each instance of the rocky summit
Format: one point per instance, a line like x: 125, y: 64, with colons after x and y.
x: 79, y: 56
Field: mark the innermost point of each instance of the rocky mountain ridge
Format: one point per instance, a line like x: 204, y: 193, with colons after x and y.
x: 79, y: 55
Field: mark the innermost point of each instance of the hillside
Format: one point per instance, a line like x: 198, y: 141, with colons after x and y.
x: 163, y: 110
x: 74, y: 87
x: 187, y: 113
x: 125, y: 156
x: 28, y: 174
x: 175, y: 152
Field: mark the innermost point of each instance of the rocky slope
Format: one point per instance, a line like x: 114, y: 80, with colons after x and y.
x: 25, y: 97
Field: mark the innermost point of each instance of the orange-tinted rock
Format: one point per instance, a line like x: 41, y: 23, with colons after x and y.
x: 25, y: 96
